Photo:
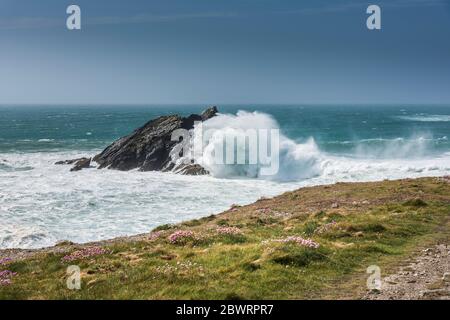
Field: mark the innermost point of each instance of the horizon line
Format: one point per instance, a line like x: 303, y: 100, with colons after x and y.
x: 227, y: 104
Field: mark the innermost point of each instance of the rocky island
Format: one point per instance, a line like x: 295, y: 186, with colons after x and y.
x: 148, y: 148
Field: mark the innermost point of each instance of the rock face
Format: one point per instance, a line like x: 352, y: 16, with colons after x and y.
x: 71, y: 161
x: 148, y: 147
x: 81, y: 164
x: 191, y: 169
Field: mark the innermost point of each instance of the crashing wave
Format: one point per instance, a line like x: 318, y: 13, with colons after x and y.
x: 257, y: 149
x: 296, y: 161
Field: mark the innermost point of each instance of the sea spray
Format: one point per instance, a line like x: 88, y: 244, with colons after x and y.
x: 417, y: 145
x: 235, y: 146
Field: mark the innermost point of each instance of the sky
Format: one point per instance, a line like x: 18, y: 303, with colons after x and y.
x: 224, y: 52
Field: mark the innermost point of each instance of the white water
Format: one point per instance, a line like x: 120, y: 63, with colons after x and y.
x: 42, y: 203
x: 297, y: 161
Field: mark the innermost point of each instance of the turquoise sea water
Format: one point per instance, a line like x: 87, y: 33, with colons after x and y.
x: 336, y: 129
x: 41, y: 203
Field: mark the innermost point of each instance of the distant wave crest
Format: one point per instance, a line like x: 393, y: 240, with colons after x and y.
x: 426, y: 118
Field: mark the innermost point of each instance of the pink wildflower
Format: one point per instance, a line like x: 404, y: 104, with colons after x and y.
x: 300, y: 241
x: 154, y: 235
x: 264, y: 210
x: 5, y: 261
x: 5, y: 277
x: 181, y: 236
x: 234, y: 207
x: 229, y: 230
x: 84, y: 253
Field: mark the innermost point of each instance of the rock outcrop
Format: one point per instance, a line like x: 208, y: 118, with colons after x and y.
x: 71, y: 161
x: 148, y: 148
x: 82, y: 163
x: 191, y: 169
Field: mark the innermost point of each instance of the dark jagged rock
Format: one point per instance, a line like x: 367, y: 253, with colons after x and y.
x: 191, y: 169
x: 71, y: 161
x: 209, y: 113
x: 81, y: 164
x: 148, y: 147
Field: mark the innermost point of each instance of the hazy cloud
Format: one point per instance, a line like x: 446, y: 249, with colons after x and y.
x: 344, y: 7
x: 37, y: 22
x: 49, y: 22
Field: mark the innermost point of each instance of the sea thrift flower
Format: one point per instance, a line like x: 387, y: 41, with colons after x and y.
x: 300, y: 241
x: 5, y: 261
x: 229, y: 230
x: 154, y: 235
x: 84, y: 253
x: 181, y: 236
x: 5, y: 277
x: 263, y: 210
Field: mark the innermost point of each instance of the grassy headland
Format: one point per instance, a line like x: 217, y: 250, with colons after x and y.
x: 311, y: 243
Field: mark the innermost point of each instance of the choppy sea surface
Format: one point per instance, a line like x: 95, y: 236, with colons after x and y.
x: 41, y: 203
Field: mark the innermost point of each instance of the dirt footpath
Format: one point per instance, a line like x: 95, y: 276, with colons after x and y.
x: 426, y: 277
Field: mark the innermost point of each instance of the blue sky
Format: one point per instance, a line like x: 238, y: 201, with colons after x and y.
x: 224, y: 51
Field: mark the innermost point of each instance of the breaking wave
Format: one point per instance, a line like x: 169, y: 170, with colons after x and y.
x: 426, y: 118
x: 297, y: 160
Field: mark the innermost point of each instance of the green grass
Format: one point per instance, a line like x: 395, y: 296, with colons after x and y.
x: 375, y: 223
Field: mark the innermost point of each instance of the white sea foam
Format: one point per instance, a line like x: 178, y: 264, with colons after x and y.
x: 49, y: 203
x: 426, y: 118
x: 419, y: 145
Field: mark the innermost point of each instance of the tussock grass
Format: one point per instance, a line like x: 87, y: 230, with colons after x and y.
x: 374, y: 223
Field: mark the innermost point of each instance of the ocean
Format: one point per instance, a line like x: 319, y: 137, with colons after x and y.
x: 41, y: 203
